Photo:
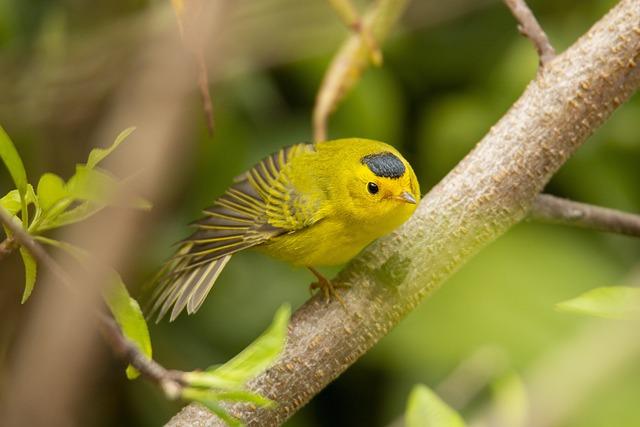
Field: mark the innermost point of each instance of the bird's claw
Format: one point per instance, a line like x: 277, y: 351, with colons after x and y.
x: 328, y: 288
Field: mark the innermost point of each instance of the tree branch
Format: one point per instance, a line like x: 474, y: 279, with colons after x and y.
x: 21, y: 237
x: 555, y: 210
x: 169, y: 381
x: 351, y: 61
x: 530, y: 28
x: 489, y: 191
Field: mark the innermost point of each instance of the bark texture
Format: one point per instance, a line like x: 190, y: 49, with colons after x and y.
x: 488, y: 192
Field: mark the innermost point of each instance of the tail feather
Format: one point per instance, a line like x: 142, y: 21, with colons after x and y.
x: 188, y: 289
x: 196, y: 288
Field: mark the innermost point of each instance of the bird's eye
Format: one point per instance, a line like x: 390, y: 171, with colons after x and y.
x: 372, y: 187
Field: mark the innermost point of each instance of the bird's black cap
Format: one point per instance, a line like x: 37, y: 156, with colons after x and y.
x: 384, y: 164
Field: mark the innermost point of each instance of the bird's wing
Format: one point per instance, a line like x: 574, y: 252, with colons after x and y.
x: 261, y: 204
x: 286, y: 208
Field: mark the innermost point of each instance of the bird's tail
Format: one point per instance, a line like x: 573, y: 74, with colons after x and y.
x: 181, y: 284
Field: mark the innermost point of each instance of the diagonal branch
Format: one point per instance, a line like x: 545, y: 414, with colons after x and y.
x: 169, y: 381
x: 530, y: 28
x: 547, y: 208
x: 488, y: 192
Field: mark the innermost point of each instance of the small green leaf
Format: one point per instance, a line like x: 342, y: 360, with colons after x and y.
x: 261, y: 353
x: 208, y: 398
x: 79, y: 213
x: 426, y: 409
x: 615, y: 302
x: 12, y: 161
x: 76, y: 252
x: 96, y: 185
x: 98, y: 154
x: 30, y: 273
x: 11, y: 202
x: 251, y: 361
x: 129, y: 317
x: 51, y: 189
x: 31, y: 198
x: 91, y: 184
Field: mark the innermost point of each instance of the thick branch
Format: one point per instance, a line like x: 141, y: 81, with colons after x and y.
x: 547, y: 208
x: 530, y: 28
x: 488, y: 192
x: 122, y: 347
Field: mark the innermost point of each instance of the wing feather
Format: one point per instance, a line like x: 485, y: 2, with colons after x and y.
x: 258, y: 206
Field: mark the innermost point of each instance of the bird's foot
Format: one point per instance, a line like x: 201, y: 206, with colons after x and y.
x: 328, y: 288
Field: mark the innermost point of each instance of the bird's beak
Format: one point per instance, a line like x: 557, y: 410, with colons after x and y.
x: 407, y: 197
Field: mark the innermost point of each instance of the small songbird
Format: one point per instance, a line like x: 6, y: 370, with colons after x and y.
x: 307, y: 204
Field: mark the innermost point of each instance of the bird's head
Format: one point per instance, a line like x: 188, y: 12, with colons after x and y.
x: 382, y: 187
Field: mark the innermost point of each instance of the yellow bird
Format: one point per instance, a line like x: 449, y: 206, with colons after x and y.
x: 307, y: 204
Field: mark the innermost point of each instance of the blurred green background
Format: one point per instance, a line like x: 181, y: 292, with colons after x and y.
x: 451, y: 70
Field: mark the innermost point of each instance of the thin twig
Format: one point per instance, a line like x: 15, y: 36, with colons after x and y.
x: 193, y: 37
x: 530, y: 28
x: 351, y: 60
x: 351, y: 18
x: 203, y: 86
x: 21, y: 237
x: 547, y: 208
x: 171, y: 381
x: 7, y: 246
x: 129, y: 352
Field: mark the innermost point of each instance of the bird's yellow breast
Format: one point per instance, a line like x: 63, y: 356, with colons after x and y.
x: 331, y: 241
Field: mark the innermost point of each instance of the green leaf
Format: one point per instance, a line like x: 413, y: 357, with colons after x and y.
x: 426, y: 409
x: 30, y: 273
x: 79, y: 213
x: 251, y: 361
x: 261, y: 353
x: 91, y: 184
x: 51, y: 189
x: 209, y: 399
x: 129, y: 317
x: 96, y: 185
x: 31, y: 198
x: 615, y: 302
x: 76, y: 252
x: 98, y: 154
x: 12, y: 161
x: 11, y: 202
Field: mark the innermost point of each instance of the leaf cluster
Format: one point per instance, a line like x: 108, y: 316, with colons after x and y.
x: 56, y: 203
